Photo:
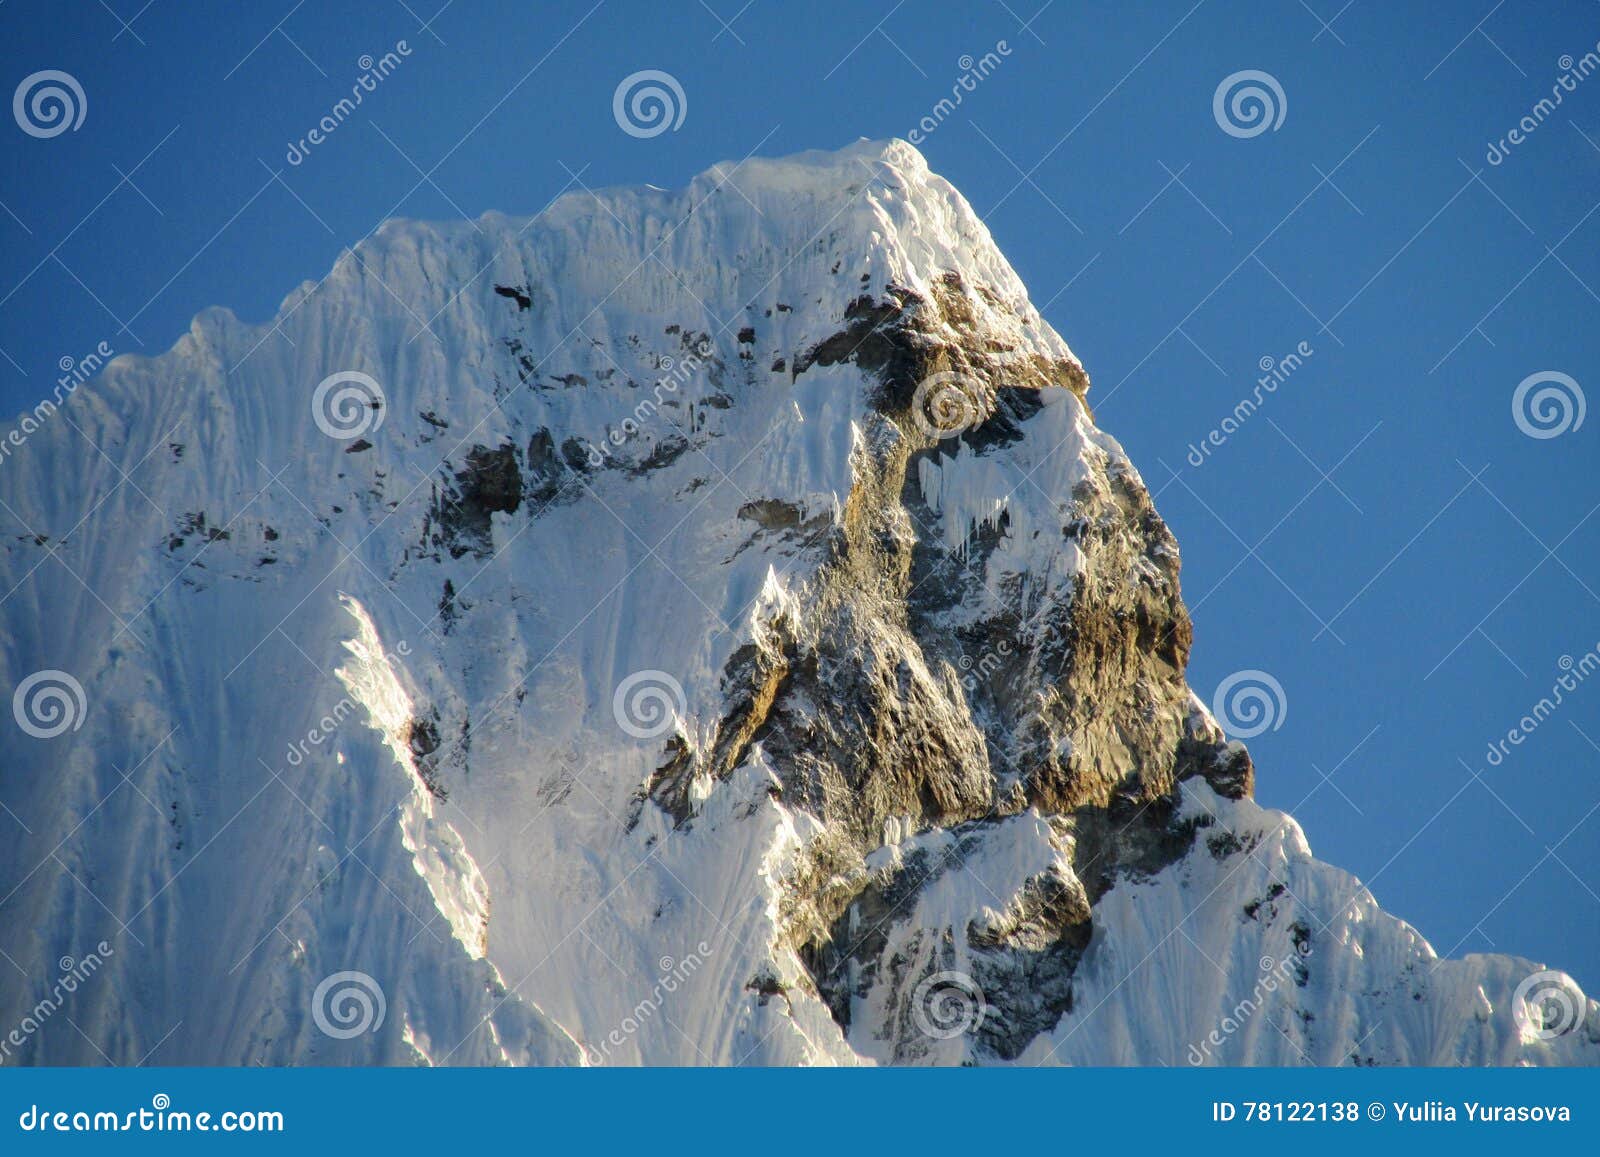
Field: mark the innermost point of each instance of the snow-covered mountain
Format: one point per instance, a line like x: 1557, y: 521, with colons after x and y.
x: 696, y: 627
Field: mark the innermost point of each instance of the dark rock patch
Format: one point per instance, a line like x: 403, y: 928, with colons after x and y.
x: 518, y: 293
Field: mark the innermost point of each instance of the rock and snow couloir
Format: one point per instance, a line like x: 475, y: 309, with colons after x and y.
x: 701, y: 627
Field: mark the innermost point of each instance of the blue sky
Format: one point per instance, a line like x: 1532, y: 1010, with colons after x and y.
x: 1379, y: 536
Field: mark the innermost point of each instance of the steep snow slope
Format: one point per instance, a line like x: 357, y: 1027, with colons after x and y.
x: 692, y: 627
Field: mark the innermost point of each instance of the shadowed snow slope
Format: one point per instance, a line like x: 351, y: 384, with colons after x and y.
x: 698, y: 627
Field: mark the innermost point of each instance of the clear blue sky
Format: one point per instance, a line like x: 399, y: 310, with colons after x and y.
x: 1379, y: 536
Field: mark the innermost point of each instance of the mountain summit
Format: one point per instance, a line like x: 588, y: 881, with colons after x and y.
x: 696, y: 627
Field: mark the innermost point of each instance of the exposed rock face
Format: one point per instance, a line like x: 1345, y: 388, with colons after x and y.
x: 872, y: 712
x: 741, y: 595
x: 491, y: 482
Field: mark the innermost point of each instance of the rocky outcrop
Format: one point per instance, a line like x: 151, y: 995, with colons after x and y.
x: 873, y: 713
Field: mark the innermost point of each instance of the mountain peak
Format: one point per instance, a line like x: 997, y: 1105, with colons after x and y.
x: 725, y: 588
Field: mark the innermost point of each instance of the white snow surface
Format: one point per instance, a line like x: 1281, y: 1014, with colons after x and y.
x: 232, y: 862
